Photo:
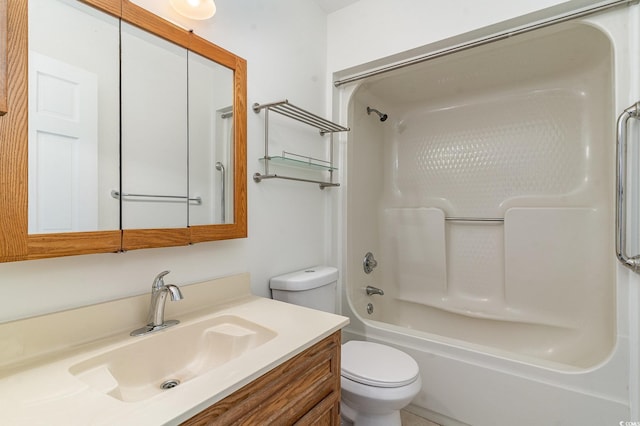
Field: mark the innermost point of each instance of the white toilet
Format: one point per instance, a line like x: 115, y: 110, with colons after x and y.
x: 377, y: 380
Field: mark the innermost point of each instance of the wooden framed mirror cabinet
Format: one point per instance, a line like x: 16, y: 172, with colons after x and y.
x: 51, y: 203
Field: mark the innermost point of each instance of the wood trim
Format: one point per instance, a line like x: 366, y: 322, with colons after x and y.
x: 112, y: 7
x: 13, y: 139
x: 214, y: 52
x: 3, y: 57
x: 204, y: 233
x: 142, y: 18
x: 55, y: 245
x: 134, y: 239
x: 240, y: 145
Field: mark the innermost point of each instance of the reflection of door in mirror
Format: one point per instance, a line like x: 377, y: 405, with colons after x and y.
x: 154, y: 131
x: 63, y: 147
x: 73, y: 118
x: 210, y: 141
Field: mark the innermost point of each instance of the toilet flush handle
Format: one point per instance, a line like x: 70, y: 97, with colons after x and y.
x: 369, y: 263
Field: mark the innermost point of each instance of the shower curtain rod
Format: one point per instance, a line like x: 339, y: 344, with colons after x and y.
x: 482, y: 41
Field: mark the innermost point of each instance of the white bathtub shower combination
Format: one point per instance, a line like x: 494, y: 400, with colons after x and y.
x: 488, y: 200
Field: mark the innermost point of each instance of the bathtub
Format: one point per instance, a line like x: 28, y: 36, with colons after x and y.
x: 488, y: 200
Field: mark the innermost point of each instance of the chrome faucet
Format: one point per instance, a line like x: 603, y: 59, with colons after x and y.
x: 374, y: 290
x: 159, y: 293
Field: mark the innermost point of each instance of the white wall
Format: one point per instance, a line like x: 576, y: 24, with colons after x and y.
x: 284, y: 42
x: 372, y: 29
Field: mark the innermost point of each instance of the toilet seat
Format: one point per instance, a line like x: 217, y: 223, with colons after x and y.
x: 377, y: 365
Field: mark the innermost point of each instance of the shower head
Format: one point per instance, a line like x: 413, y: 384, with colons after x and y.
x: 383, y: 117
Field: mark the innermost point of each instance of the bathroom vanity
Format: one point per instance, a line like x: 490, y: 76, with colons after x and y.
x: 234, y: 358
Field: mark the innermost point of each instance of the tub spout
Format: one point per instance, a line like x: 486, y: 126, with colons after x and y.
x: 374, y: 290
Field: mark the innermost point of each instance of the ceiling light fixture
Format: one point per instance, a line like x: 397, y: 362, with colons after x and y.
x: 194, y: 9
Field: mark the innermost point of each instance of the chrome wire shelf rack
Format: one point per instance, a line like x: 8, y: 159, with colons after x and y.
x: 325, y: 126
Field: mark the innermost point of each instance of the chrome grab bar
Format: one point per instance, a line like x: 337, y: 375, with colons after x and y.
x: 632, y: 262
x: 116, y: 194
x: 223, y: 196
x: 473, y: 219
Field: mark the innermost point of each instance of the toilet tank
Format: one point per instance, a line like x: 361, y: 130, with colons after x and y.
x: 313, y: 287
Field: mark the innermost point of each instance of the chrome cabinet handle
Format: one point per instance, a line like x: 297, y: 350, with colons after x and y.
x: 632, y: 262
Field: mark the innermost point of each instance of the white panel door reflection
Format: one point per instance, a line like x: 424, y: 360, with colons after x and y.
x: 63, y: 147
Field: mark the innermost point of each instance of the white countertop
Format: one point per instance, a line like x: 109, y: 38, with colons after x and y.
x: 36, y: 387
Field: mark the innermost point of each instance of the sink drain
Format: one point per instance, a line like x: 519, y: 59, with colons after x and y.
x: 169, y: 384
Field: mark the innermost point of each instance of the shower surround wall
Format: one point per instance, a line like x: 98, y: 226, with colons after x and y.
x: 488, y: 200
x: 495, y: 215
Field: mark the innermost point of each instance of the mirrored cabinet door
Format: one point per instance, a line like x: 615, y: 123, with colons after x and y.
x: 211, y: 141
x: 154, y: 131
x: 73, y: 141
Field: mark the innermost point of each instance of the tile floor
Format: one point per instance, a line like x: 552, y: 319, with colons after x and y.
x: 409, y: 419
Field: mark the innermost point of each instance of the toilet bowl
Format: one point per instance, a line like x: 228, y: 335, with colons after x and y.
x: 377, y: 380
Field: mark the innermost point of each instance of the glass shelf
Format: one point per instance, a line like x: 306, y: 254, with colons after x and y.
x: 300, y: 161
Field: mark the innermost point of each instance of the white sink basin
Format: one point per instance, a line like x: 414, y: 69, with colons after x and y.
x: 139, y: 369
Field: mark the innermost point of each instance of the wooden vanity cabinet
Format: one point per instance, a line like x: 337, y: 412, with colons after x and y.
x: 304, y: 390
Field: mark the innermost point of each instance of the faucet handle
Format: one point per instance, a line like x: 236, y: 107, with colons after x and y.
x: 369, y: 263
x: 159, y: 280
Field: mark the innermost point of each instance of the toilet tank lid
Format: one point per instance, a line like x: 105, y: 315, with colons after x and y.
x: 305, y: 279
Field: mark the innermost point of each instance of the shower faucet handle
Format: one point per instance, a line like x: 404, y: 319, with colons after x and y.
x: 369, y: 263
